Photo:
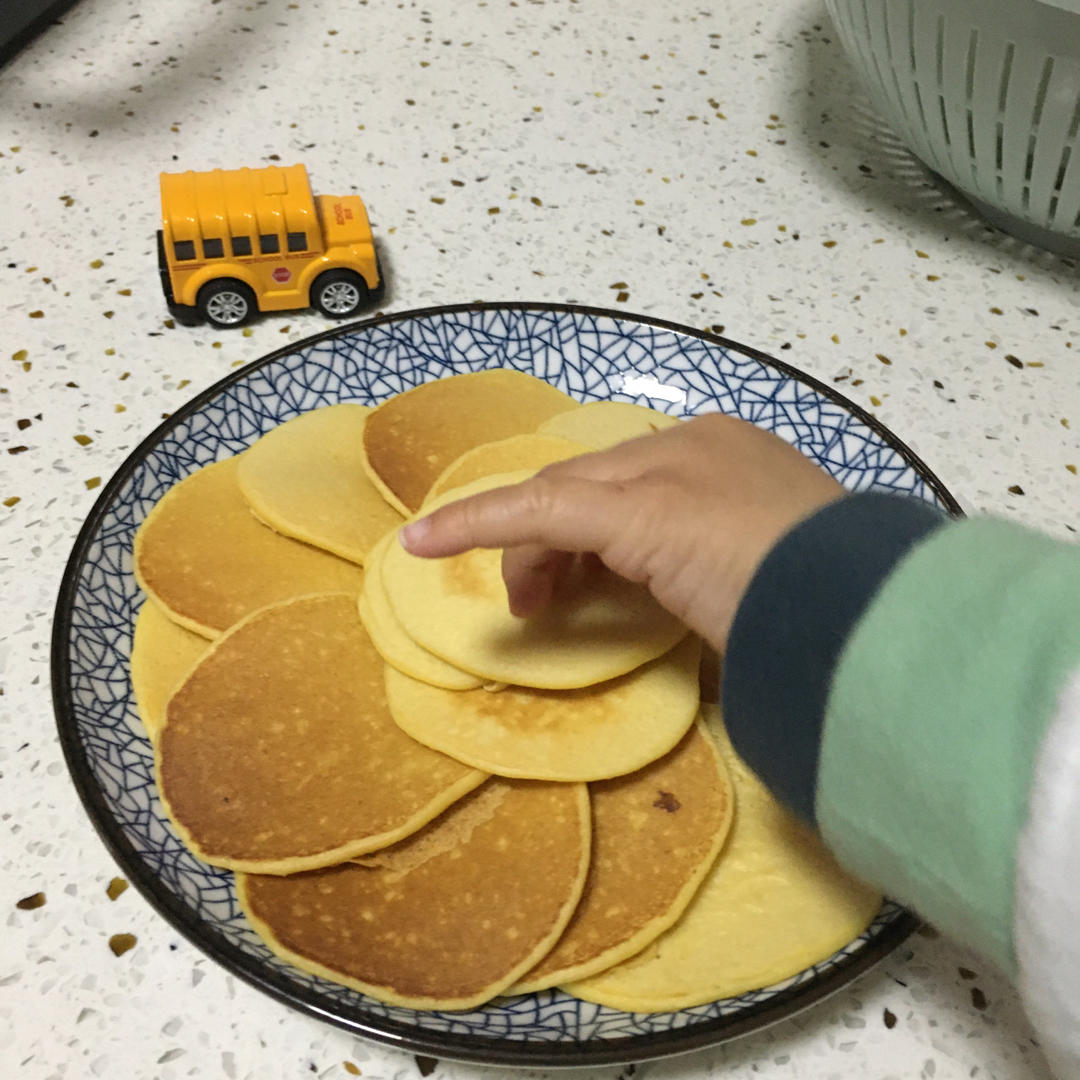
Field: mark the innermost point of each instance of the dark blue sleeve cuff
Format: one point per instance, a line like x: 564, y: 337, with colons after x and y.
x: 791, y: 628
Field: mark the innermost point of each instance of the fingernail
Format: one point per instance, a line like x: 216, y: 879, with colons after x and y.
x: 414, y: 533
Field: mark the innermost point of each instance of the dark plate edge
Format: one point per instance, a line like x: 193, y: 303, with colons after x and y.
x: 389, y: 1032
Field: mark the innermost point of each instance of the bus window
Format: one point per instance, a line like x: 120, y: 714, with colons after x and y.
x: 241, y: 245
x: 212, y: 248
x: 269, y: 244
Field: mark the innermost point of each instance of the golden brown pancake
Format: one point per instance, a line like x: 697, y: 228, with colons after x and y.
x: 519, y: 452
x: 600, y: 626
x: 306, y: 479
x: 601, y: 424
x: 448, y: 918
x: 162, y: 654
x: 591, y: 733
x: 411, y: 438
x: 774, y: 903
x: 656, y: 833
x: 208, y: 563
x: 279, y: 754
x: 395, y: 646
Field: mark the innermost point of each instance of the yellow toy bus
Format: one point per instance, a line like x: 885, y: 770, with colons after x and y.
x: 236, y: 241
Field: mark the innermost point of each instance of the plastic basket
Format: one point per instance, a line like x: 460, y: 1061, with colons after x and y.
x: 987, y: 94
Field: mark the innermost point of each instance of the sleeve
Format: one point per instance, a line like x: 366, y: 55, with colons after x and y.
x: 910, y: 686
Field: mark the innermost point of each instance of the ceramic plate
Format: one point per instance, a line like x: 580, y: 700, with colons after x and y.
x: 592, y: 355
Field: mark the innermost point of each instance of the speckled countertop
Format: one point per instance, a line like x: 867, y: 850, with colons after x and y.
x: 705, y: 163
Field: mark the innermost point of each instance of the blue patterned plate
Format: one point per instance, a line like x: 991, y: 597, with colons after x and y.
x: 592, y: 355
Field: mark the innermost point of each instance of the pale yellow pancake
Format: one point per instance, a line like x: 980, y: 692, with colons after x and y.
x: 601, y: 424
x: 656, y: 833
x: 306, y: 479
x: 448, y: 918
x: 278, y: 752
x: 774, y: 903
x: 411, y: 438
x: 598, y: 731
x: 599, y: 627
x: 162, y: 654
x: 396, y: 647
x: 208, y: 562
x: 519, y: 452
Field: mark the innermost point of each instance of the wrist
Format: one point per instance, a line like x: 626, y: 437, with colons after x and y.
x: 792, y: 623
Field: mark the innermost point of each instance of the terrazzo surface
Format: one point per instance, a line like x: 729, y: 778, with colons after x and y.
x: 709, y: 164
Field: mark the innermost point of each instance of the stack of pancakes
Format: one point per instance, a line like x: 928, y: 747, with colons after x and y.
x: 423, y: 797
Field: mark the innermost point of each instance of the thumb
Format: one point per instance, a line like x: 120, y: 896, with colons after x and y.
x: 532, y: 574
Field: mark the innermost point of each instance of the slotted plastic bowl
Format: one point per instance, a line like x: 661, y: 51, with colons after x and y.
x: 987, y: 94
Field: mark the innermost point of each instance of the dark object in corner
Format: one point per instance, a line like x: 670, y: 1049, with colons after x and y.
x: 22, y: 20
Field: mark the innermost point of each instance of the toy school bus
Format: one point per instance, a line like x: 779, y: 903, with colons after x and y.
x: 236, y: 241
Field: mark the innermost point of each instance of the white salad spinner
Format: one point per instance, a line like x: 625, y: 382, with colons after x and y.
x: 987, y: 94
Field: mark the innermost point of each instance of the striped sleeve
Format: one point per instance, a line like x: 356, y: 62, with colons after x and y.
x: 1047, y: 938
x: 904, y: 683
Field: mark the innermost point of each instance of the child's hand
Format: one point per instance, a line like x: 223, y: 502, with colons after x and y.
x: 690, y: 511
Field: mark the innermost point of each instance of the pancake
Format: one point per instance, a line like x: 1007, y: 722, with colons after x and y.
x: 774, y: 903
x: 530, y: 452
x: 162, y: 653
x: 601, y: 424
x: 278, y: 752
x: 205, y: 559
x: 306, y: 479
x: 450, y: 917
x: 591, y: 733
x: 410, y: 438
x: 394, y: 645
x: 656, y: 833
x: 599, y: 627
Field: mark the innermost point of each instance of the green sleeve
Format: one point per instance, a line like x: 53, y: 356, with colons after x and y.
x: 935, y: 712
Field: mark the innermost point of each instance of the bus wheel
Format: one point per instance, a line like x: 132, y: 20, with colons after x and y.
x: 226, y: 303
x: 339, y: 293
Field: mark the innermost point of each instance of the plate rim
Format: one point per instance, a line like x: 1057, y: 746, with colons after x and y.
x: 392, y: 1033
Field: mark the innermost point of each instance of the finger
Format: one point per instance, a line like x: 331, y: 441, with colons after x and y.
x: 561, y: 513
x: 532, y: 574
